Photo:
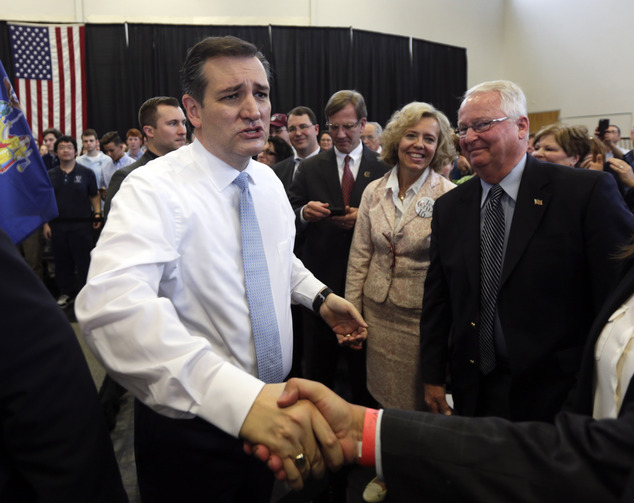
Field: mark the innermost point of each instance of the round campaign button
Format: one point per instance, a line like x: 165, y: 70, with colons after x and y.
x: 425, y: 207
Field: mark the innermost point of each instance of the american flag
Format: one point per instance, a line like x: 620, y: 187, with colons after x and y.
x: 50, y: 77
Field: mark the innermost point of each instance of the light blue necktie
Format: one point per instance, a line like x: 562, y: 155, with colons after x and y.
x: 256, y: 279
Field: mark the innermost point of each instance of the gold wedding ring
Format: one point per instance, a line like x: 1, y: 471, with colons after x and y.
x: 347, y: 335
x: 300, y: 461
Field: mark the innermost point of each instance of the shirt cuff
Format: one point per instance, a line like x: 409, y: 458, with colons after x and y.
x: 377, y: 448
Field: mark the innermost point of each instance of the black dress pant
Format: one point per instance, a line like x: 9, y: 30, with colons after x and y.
x: 71, y: 248
x: 190, y: 460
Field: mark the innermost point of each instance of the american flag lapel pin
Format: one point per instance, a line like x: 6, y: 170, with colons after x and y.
x: 538, y: 202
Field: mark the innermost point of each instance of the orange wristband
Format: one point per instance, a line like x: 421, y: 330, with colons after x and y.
x: 368, y: 443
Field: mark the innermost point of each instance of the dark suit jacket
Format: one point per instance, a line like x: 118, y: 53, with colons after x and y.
x: 326, y: 246
x: 557, y: 271
x: 284, y: 171
x: 489, y: 459
x: 54, y: 444
x: 119, y: 175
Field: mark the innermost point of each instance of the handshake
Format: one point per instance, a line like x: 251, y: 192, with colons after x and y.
x: 301, y: 428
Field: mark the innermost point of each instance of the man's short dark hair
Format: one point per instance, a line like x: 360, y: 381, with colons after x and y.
x: 65, y: 139
x: 111, y: 137
x: 51, y: 130
x: 304, y: 111
x: 192, y: 75
x: 148, y: 113
x: 89, y: 132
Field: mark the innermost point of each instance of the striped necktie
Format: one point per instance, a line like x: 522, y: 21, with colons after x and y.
x: 491, y: 248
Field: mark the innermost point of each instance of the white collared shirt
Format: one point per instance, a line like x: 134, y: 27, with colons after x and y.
x: 355, y: 161
x: 165, y: 305
x: 392, y: 188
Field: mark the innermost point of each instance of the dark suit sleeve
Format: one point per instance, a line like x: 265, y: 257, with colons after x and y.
x: 114, y: 186
x: 54, y: 446
x: 435, y: 458
x: 298, y: 192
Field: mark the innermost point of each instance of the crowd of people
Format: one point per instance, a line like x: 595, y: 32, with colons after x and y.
x: 469, y: 288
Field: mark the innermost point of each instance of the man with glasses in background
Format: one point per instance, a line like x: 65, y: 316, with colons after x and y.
x: 522, y: 258
x: 325, y: 194
x: 303, y: 130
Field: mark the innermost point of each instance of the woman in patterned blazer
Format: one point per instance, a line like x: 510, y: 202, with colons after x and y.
x: 390, y: 250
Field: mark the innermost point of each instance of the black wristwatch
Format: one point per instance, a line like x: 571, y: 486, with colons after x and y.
x: 321, y: 298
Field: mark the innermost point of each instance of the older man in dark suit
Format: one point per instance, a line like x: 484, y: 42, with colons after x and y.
x: 325, y: 194
x: 521, y: 261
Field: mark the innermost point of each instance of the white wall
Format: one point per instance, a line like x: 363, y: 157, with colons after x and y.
x: 566, y: 54
x: 575, y: 56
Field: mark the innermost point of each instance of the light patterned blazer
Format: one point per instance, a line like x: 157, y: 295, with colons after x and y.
x: 387, y: 262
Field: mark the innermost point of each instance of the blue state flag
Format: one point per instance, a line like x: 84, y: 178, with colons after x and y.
x: 27, y: 199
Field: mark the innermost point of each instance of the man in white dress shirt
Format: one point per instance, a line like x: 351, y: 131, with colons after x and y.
x: 166, y: 308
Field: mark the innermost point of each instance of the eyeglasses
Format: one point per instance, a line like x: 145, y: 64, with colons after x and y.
x: 348, y: 127
x: 478, y: 127
x: 301, y: 127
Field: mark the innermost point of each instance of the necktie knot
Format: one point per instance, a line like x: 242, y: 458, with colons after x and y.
x: 496, y: 192
x: 242, y: 181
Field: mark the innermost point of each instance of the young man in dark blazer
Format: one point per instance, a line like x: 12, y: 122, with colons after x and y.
x: 325, y: 195
x: 302, y: 130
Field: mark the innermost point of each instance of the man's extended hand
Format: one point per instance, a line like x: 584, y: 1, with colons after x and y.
x: 298, y: 428
x: 345, y: 419
x: 345, y: 320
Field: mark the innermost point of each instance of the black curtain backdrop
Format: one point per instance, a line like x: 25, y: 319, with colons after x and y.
x: 382, y: 73
x: 110, y: 101
x: 440, y: 75
x: 308, y: 65
x: 5, y: 52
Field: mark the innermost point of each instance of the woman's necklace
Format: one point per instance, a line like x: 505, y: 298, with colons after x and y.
x: 401, y: 196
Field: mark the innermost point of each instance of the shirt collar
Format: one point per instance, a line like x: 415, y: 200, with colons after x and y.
x: 313, y: 153
x: 221, y: 173
x: 510, y: 183
x: 355, y: 154
x: 392, y: 181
